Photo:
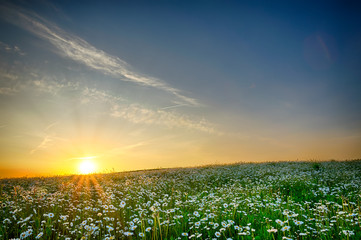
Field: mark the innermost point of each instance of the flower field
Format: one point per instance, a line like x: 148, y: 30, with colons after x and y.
x: 287, y: 200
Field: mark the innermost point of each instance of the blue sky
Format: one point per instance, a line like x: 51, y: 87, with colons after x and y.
x: 142, y: 84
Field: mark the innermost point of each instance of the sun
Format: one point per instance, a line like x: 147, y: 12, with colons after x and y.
x: 87, y: 166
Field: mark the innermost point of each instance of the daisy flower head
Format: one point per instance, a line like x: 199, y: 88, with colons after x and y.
x: 285, y: 228
x: 23, y: 235
x: 39, y: 235
x: 272, y: 230
x: 298, y: 223
x: 279, y: 222
x: 348, y: 232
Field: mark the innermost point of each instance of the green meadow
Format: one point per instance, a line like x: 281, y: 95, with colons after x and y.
x: 284, y: 200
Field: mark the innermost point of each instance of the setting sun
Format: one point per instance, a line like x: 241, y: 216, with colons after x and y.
x: 87, y: 166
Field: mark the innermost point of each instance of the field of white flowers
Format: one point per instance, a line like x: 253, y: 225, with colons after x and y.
x: 304, y: 200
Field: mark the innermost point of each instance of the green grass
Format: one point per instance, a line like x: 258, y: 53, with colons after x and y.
x: 303, y: 200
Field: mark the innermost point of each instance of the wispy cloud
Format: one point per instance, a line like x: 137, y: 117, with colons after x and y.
x: 138, y: 114
x: 119, y: 150
x: 9, y: 48
x: 49, y: 138
x: 13, y: 83
x: 32, y: 81
x: 173, y: 106
x: 9, y: 85
x: 119, y: 107
x: 45, y: 143
x: 6, y: 75
x: 77, y: 49
x: 51, y: 125
x: 115, y: 106
x: 92, y: 94
x: 8, y: 91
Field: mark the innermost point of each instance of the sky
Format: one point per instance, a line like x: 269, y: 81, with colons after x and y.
x: 160, y: 84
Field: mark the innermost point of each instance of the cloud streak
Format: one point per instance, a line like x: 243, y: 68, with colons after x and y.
x: 8, y: 48
x: 77, y: 49
x: 8, y: 91
x: 45, y: 143
x: 113, y: 105
x: 138, y: 114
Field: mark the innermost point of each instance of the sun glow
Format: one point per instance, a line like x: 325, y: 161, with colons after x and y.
x: 87, y: 166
